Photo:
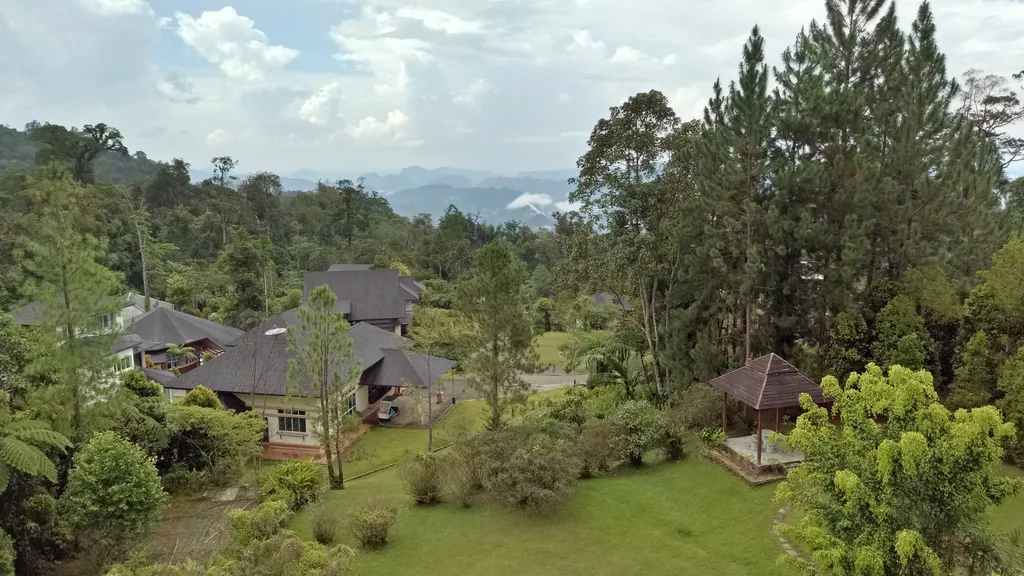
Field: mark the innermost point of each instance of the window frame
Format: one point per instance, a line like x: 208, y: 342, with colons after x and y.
x: 291, y: 421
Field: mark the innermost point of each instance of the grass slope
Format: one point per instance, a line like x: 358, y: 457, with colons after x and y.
x: 685, y: 518
x: 547, y: 348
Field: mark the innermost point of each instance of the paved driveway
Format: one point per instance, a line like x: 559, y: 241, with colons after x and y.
x: 547, y: 380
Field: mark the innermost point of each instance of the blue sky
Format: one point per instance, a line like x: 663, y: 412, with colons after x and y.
x: 344, y: 86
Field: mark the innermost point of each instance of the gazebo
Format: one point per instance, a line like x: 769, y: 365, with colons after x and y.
x: 766, y: 384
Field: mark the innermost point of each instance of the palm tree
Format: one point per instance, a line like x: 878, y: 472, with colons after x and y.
x: 22, y: 443
x: 605, y: 357
x: 185, y: 354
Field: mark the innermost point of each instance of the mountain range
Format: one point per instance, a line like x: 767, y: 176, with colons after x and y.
x: 529, y: 197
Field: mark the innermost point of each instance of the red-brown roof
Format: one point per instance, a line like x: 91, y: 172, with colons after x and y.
x: 768, y: 382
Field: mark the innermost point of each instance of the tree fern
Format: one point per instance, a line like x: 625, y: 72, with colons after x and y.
x: 22, y: 444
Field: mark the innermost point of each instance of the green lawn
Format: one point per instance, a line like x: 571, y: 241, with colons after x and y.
x: 547, y: 347
x: 685, y: 518
x: 1010, y: 515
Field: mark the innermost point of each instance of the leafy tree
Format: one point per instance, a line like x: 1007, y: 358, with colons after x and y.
x: 202, y: 397
x: 993, y: 108
x: 846, y: 350
x: 113, y: 497
x: 243, y: 261
x: 433, y: 331
x: 495, y: 301
x: 212, y: 442
x: 974, y: 381
x: 638, y: 426
x: 185, y: 354
x: 902, y: 484
x: 1011, y: 383
x: 74, y: 290
x: 618, y: 184
x: 222, y: 167
x: 6, y: 555
x: 900, y: 335
x: 77, y: 150
x: 323, y: 366
x: 543, y: 282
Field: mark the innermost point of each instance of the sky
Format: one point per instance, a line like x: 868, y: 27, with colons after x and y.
x: 376, y: 85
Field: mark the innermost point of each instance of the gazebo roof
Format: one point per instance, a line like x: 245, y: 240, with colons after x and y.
x: 768, y: 382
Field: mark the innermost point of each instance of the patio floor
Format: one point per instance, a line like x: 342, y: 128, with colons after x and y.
x: 746, y: 447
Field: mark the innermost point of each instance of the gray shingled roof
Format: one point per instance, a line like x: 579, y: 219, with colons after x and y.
x: 126, y: 341
x: 268, y: 356
x: 371, y: 294
x: 139, y: 301
x: 162, y: 377
x: 348, y: 267
x: 174, y: 327
x: 31, y: 314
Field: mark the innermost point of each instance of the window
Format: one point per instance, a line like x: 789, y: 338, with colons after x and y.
x: 107, y: 321
x: 122, y: 363
x: 172, y: 360
x: 294, y: 422
x: 169, y: 394
x: 350, y: 402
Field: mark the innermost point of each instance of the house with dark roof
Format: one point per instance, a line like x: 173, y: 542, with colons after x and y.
x: 133, y: 306
x: 161, y: 327
x: 252, y: 373
x: 381, y: 297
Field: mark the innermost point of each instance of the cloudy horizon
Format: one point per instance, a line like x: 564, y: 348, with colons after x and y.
x: 376, y: 85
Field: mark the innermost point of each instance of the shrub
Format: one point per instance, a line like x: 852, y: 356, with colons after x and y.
x: 261, y: 523
x: 202, y: 397
x: 217, y: 442
x: 295, y: 482
x: 324, y: 523
x: 531, y: 466
x: 371, y: 522
x: 603, y: 401
x: 597, y: 448
x: 422, y: 477
x: 571, y: 408
x: 136, y: 382
x: 6, y: 555
x: 180, y: 480
x: 671, y: 438
x: 711, y: 437
x: 113, y: 496
x: 637, y: 428
x: 461, y: 480
x: 699, y: 406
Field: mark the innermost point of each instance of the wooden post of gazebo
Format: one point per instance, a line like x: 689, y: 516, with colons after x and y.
x: 725, y: 412
x: 758, y: 437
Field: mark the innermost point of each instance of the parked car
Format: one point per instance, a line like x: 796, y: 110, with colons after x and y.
x: 388, y: 409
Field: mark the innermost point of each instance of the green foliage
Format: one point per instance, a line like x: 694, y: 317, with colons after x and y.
x: 323, y: 522
x: 23, y: 443
x: 6, y: 555
x: 1011, y: 384
x: 202, y: 397
x: 607, y: 357
x: 638, y: 426
x: 846, y: 350
x: 113, y: 496
x: 495, y: 301
x: 1005, y: 279
x: 371, y: 523
x: 261, y: 523
x: 672, y: 439
x: 900, y: 479
x: 135, y: 381
x: 934, y: 292
x: 531, y: 467
x: 297, y: 483
x: 597, y: 446
x: 460, y: 477
x: 697, y: 407
x: 974, y: 381
x: 321, y: 366
x: 423, y: 478
x: 900, y: 335
x: 215, y: 442
x: 572, y: 407
x: 711, y: 437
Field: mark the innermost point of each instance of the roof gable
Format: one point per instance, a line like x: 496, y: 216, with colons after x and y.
x: 173, y: 327
x: 768, y: 382
x: 370, y: 294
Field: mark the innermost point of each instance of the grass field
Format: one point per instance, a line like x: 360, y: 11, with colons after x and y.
x: 547, y: 347
x: 685, y: 518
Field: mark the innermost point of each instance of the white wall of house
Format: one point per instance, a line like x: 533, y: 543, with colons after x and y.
x: 362, y: 398
x: 123, y: 360
x: 281, y: 426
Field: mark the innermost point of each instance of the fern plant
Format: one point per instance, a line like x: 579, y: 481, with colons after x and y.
x: 22, y: 445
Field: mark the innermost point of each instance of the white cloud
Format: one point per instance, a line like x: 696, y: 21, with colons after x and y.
x: 531, y: 200
x: 584, y: 43
x: 385, y: 56
x: 217, y: 137
x: 233, y: 43
x: 165, y: 23
x: 441, y: 21
x: 669, y: 60
x: 174, y: 87
x: 117, y: 7
x: 627, y: 54
x: 469, y: 95
x: 563, y: 97
x: 372, y: 129
x: 566, y: 206
x: 323, y: 105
